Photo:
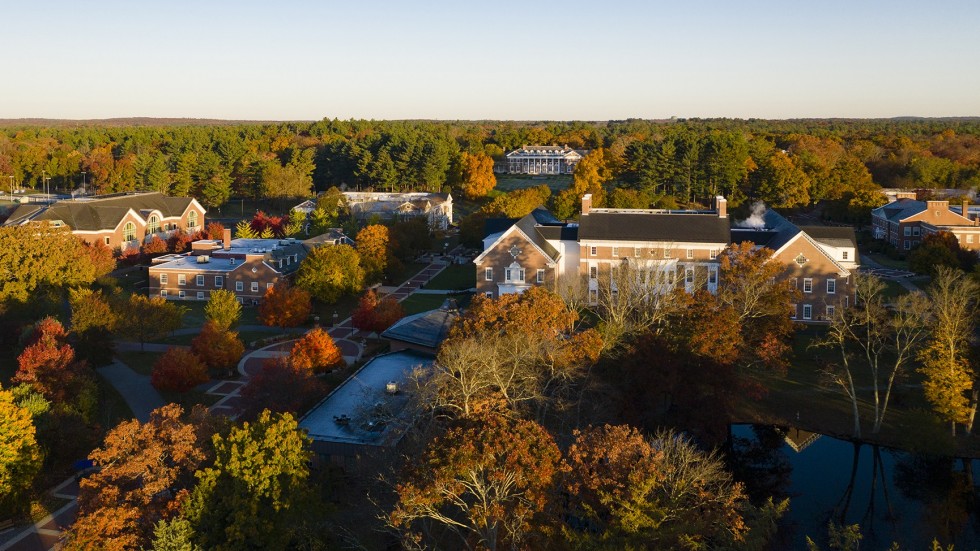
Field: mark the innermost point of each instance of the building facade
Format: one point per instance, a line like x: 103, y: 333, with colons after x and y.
x: 543, y: 159
x: 904, y: 223
x: 436, y: 208
x: 666, y: 250
x: 119, y: 221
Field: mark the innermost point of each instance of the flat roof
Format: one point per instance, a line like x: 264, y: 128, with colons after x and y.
x: 360, y: 410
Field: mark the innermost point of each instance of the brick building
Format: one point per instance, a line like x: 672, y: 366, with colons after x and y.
x: 904, y: 222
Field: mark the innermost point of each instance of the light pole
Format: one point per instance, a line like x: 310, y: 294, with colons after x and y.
x: 11, y: 185
x: 83, y: 181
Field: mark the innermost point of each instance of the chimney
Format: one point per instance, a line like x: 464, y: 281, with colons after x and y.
x: 586, y: 203
x: 936, y: 207
x: 966, y: 208
x: 226, y: 238
x: 721, y: 206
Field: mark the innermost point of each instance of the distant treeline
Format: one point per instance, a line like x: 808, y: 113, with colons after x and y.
x: 786, y: 162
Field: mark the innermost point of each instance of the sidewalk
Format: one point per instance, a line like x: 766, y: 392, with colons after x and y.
x: 135, y: 389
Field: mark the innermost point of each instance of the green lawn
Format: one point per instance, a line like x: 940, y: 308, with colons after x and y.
x: 416, y: 303
x: 140, y: 362
x: 893, y: 289
x: 510, y: 182
x: 888, y: 262
x: 454, y: 277
x: 408, y: 270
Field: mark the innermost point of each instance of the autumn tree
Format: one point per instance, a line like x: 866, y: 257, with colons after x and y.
x: 938, y: 250
x: 477, y: 175
x: 945, y: 361
x: 145, y: 470
x: 37, y: 257
x: 178, y: 370
x: 487, y: 480
x: 372, y: 244
x: 590, y: 177
x: 20, y: 456
x: 243, y: 230
x: 154, y: 247
x: 48, y: 363
x: 179, y: 242
x: 148, y: 318
x: 101, y: 257
x: 258, y: 489
x: 374, y: 315
x: 284, y: 306
x: 627, y: 491
x: 223, y: 309
x: 281, y: 388
x: 214, y: 230
x: 93, y: 321
x: 219, y: 348
x: 330, y: 272
x: 316, y: 352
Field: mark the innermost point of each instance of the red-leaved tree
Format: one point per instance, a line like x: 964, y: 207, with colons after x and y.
x: 281, y: 388
x: 155, y: 246
x: 179, y: 370
x: 376, y: 315
x: 179, y: 242
x: 316, y: 352
x: 214, y: 230
x: 220, y: 349
x: 48, y: 363
x: 262, y: 221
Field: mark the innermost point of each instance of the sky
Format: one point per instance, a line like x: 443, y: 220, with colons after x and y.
x: 558, y: 60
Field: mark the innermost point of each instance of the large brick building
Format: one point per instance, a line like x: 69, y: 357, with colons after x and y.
x: 667, y: 249
x: 118, y: 221
x: 904, y: 222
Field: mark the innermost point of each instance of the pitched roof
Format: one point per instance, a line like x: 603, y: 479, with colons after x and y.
x: 623, y: 225
x: 832, y: 236
x: 900, y: 209
x: 427, y: 329
x: 775, y: 231
x: 528, y: 226
x: 104, y: 212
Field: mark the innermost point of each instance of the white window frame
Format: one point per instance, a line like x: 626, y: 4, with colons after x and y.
x: 615, y: 252
x: 689, y: 275
x: 637, y: 252
x: 181, y: 294
x: 539, y: 277
x: 690, y: 254
x: 831, y: 310
x: 831, y: 286
x: 908, y: 231
x: 200, y: 280
x: 254, y: 288
x: 200, y: 295
x: 666, y: 252
x: 106, y: 240
x: 163, y: 293
x: 713, y: 254
x: 164, y: 279
x: 969, y: 238
x: 488, y: 294
x: 240, y: 286
x: 807, y: 311
x: 219, y: 281
x: 488, y: 274
x: 844, y: 255
x: 269, y: 285
x: 807, y: 284
x: 915, y: 231
x: 593, y: 271
x: 181, y: 279
x: 593, y: 250
x: 712, y: 276
x: 793, y: 315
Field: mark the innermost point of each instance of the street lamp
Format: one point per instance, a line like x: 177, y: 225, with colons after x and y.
x: 83, y: 181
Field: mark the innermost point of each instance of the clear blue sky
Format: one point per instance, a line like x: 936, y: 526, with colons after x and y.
x: 488, y: 60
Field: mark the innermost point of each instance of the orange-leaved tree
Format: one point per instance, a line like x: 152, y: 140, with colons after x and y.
x: 178, y: 369
x: 373, y: 248
x: 376, y: 315
x: 48, y: 363
x: 284, y: 306
x: 220, y: 349
x: 145, y: 472
x: 477, y: 178
x: 488, y: 479
x: 316, y: 352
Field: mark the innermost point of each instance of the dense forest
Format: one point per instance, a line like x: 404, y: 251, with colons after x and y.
x: 786, y: 163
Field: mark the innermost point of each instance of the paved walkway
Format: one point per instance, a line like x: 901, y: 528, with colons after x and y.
x: 47, y: 532
x: 868, y: 265
x: 135, y: 389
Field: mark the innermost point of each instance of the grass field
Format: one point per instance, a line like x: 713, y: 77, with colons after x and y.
x: 456, y: 277
x: 422, y: 303
x: 510, y: 182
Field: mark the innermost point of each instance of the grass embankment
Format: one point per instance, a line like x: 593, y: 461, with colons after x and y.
x: 806, y: 398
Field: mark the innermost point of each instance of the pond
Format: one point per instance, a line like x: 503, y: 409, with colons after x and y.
x: 895, y: 496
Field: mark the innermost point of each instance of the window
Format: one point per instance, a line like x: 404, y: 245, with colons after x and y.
x: 688, y: 275
x: 593, y: 272
x: 255, y: 287
x: 846, y: 301
x: 153, y: 224
x: 690, y: 253
x: 969, y: 238
x: 807, y: 285
x: 844, y: 255
x: 239, y: 286
x: 489, y: 294
x: 181, y: 279
x: 488, y: 274
x: 520, y: 274
x: 615, y: 251
x: 200, y: 295
x: 908, y: 231
x: 181, y: 294
x: 915, y: 231
x: 666, y: 252
x: 200, y: 281
x: 792, y: 314
x: 540, y: 276
x: 907, y: 246
x: 592, y: 251
x: 807, y: 311
x: 593, y: 296
x: 637, y: 252
x: 163, y: 293
x: 712, y: 276
x: 269, y: 286
x: 831, y: 286
x: 129, y: 232
x: 713, y: 254
x: 830, y: 312
x: 192, y: 219
x: 507, y: 274
x: 219, y: 281
x: 106, y: 240
x: 163, y: 279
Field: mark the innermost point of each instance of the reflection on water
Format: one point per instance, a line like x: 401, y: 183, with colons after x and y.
x: 894, y: 496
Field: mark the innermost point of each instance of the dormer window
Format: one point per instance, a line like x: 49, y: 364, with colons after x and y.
x: 153, y: 224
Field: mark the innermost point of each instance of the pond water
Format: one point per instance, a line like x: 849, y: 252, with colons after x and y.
x: 895, y: 496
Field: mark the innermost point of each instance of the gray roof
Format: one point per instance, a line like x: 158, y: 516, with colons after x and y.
x: 624, y: 225
x: 775, y: 232
x: 427, y: 329
x: 900, y: 209
x: 832, y: 236
x: 102, y: 212
x: 373, y: 417
x: 529, y: 225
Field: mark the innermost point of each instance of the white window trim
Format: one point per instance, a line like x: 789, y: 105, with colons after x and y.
x: 539, y: 277
x: 200, y: 280
x: 615, y: 252
x: 844, y: 255
x: 181, y: 279
x: 219, y: 281
x: 163, y: 293
x: 240, y: 286
x: 690, y: 254
x: 200, y: 295
x: 164, y: 279
x: 831, y: 310
x: 488, y: 274
x: 254, y: 287
x: 793, y: 315
x: 181, y: 294
x: 831, y: 286
x: 908, y: 231
x: 807, y: 311
x: 593, y: 250
x: 488, y: 294
x: 807, y: 284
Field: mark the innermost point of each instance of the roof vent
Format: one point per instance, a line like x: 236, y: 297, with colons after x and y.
x: 203, y: 259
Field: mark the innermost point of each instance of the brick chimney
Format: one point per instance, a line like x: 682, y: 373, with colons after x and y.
x: 226, y: 239
x: 721, y: 206
x: 586, y: 203
x: 966, y: 208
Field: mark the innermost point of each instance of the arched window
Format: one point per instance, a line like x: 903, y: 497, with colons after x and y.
x: 129, y: 232
x: 192, y: 219
x: 153, y: 224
